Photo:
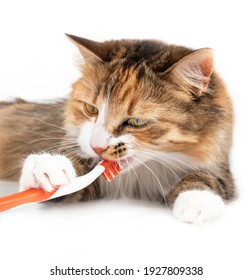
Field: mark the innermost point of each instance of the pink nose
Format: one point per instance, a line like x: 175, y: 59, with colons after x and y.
x: 99, y: 150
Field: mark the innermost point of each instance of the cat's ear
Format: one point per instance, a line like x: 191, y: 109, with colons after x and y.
x: 193, y: 71
x: 90, y: 50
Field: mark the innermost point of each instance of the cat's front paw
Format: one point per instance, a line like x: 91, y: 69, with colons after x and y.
x: 46, y: 171
x: 198, y: 207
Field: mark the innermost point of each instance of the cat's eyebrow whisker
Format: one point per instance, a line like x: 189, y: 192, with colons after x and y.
x: 155, y: 176
x: 86, y: 83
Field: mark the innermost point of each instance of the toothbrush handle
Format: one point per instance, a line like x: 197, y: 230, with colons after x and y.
x: 24, y: 197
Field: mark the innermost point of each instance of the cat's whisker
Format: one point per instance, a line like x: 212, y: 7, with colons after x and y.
x: 169, y: 156
x: 34, y: 141
x: 63, y: 147
x: 179, y: 178
x: 137, y: 178
x: 127, y: 185
x: 63, y: 128
x: 155, y: 176
x: 158, y: 160
x: 8, y: 170
x: 194, y: 169
x: 170, y: 159
x: 22, y: 146
x: 132, y: 185
x: 71, y: 151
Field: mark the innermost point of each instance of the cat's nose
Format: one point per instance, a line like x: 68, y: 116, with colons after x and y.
x: 99, y: 150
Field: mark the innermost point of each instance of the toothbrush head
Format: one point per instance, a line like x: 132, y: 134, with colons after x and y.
x: 112, y: 168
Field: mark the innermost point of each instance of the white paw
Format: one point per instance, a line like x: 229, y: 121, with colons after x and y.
x: 46, y: 171
x: 198, y: 207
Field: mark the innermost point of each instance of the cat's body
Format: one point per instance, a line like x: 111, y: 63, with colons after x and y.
x: 160, y: 108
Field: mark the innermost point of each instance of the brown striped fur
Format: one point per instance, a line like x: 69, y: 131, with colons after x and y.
x: 175, y: 88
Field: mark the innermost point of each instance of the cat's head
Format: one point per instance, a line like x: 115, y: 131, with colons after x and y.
x: 141, y: 96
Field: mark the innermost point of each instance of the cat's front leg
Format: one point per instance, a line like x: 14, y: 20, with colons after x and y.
x: 199, y: 198
x: 46, y: 171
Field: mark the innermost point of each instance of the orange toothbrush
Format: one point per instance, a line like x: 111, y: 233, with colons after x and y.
x: 108, y: 169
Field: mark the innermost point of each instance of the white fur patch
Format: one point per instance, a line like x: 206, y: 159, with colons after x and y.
x: 198, y: 207
x: 84, y: 138
x: 102, y: 114
x: 46, y: 171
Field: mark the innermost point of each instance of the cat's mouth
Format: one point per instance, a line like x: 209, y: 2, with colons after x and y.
x: 126, y: 162
x: 119, y: 153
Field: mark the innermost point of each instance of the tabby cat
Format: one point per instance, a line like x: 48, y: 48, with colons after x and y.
x: 160, y: 109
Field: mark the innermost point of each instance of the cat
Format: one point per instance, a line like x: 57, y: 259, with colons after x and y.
x: 160, y: 109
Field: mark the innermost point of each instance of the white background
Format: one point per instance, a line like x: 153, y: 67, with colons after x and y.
x: 37, y: 62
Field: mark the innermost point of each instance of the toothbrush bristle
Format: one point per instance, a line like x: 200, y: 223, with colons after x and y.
x: 112, y: 168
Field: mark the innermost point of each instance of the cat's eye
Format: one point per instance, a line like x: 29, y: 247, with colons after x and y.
x: 136, y: 122
x: 90, y: 109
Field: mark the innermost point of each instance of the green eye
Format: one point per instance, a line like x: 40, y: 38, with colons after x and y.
x: 91, y: 110
x: 136, y: 122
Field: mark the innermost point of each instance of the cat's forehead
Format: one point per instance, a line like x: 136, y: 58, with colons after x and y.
x: 125, y: 89
x: 120, y: 91
x: 120, y: 82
